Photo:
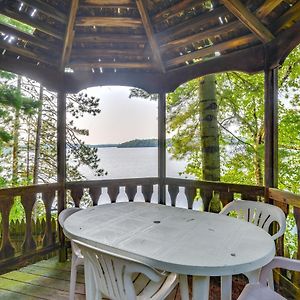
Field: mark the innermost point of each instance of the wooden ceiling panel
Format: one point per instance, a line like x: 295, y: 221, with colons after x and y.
x: 143, y: 36
x: 34, y: 22
x: 249, y: 20
x: 267, y: 8
x: 210, y: 50
x: 47, y: 9
x: 109, y: 22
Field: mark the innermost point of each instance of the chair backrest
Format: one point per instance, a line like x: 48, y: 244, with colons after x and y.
x: 62, y: 218
x: 258, y: 213
x: 67, y: 213
x: 113, y: 274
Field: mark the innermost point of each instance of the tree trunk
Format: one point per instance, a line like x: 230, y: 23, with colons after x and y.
x: 16, y: 134
x: 209, y: 135
x: 37, y: 149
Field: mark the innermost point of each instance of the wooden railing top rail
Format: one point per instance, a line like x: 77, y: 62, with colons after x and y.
x: 108, y: 182
x: 218, y: 186
x: 284, y: 197
x: 39, y: 188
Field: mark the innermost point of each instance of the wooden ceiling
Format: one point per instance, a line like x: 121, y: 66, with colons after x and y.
x: 137, y: 38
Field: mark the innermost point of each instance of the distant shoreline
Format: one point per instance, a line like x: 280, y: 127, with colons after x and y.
x: 137, y: 143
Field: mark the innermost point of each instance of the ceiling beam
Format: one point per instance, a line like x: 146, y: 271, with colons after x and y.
x: 192, y: 24
x: 199, y: 54
x: 288, y: 18
x: 150, y: 34
x: 109, y: 38
x: 21, y: 51
x: 47, y: 10
x: 174, y: 10
x: 69, y: 36
x: 41, y: 43
x: 249, y: 20
x: 99, y: 53
x: 41, y: 26
x: 197, y: 37
x: 111, y: 65
x: 267, y: 7
x: 109, y: 3
x: 109, y: 22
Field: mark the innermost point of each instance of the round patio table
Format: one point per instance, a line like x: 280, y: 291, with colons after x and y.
x: 174, y: 239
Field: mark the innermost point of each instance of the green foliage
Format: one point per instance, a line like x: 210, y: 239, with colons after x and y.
x: 290, y: 236
x: 17, y: 24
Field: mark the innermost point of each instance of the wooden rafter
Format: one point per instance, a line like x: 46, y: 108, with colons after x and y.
x: 20, y: 51
x: 47, y: 10
x: 99, y: 53
x: 288, y: 18
x: 69, y: 36
x: 187, y: 26
x: 111, y: 65
x: 237, y: 42
x: 109, y: 3
x: 205, y: 34
x: 41, y: 43
x: 42, y: 26
x: 249, y: 20
x: 109, y: 22
x: 150, y: 34
x: 109, y: 38
x: 267, y: 7
x: 174, y: 10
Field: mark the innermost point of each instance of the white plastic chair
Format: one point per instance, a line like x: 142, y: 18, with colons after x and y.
x: 77, y: 257
x: 118, y: 278
x: 260, y: 290
x: 262, y: 215
x: 258, y: 213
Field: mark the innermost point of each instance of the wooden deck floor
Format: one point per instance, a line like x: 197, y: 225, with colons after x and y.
x: 47, y: 279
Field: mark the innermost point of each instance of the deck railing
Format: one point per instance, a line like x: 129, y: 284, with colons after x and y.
x: 38, y: 234
x: 22, y: 240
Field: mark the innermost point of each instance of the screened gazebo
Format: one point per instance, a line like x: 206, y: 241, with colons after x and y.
x: 155, y: 45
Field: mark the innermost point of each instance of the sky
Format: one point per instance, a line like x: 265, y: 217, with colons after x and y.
x: 121, y: 119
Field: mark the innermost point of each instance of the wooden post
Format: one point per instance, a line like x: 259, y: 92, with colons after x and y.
x: 271, y: 128
x: 162, y: 148
x: 61, y: 165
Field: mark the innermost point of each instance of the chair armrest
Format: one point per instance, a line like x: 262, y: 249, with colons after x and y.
x: 278, y: 262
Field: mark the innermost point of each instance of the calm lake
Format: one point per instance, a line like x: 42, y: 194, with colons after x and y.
x: 136, y: 163
x: 133, y: 163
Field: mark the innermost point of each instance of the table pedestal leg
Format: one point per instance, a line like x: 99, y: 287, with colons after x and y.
x: 226, y: 287
x: 253, y: 276
x: 200, y: 287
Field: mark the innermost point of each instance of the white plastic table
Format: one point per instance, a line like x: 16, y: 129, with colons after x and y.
x: 175, y: 239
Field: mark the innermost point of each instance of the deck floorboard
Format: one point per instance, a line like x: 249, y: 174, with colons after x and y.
x: 50, y: 280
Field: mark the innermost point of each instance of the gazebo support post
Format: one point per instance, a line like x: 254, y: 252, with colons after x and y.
x: 271, y: 127
x: 162, y: 148
x: 61, y: 165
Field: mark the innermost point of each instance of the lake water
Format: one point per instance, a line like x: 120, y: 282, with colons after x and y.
x: 133, y: 163
x: 123, y: 163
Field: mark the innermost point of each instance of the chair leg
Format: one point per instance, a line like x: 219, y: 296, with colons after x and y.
x: 184, y: 287
x: 73, y: 278
x: 226, y: 287
x: 91, y: 290
x: 271, y: 281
